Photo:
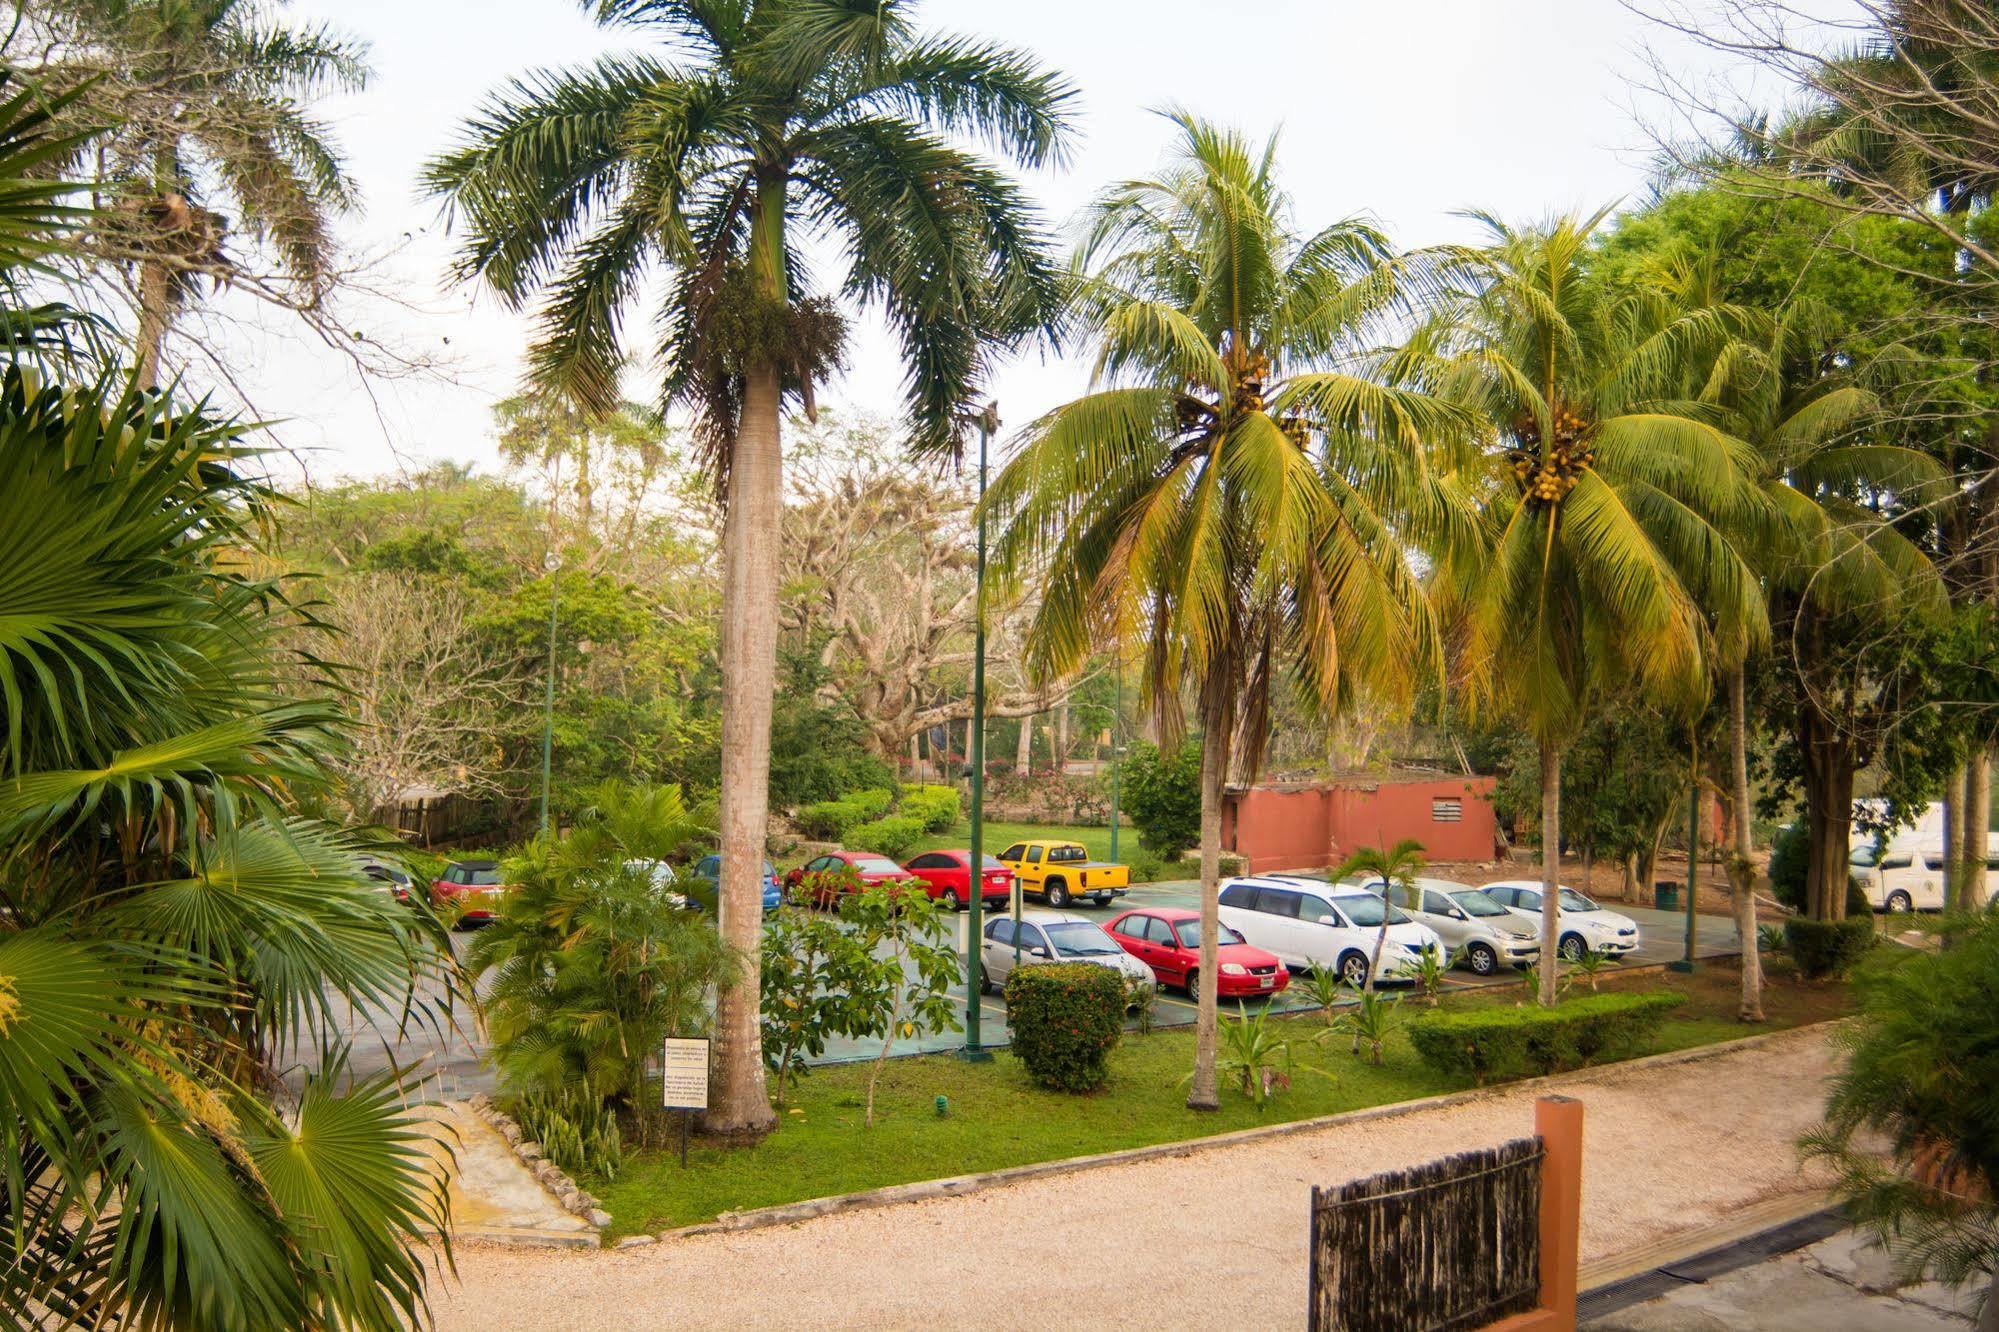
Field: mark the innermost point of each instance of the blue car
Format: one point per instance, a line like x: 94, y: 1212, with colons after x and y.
x: 709, y: 868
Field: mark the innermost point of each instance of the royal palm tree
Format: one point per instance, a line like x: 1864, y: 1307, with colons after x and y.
x: 199, y: 124
x: 1228, y: 495
x: 770, y: 121
x: 1611, y: 497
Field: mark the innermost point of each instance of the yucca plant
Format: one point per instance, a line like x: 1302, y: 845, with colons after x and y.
x: 1369, y: 1020
x: 1255, y: 1057
x: 1429, y: 974
x: 1325, y: 988
x: 1589, y: 964
x: 1139, y: 994
x: 1545, y: 978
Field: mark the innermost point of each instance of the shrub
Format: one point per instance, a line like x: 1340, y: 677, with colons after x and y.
x: 1488, y: 1043
x: 938, y: 807
x: 895, y: 837
x: 1146, y: 867
x: 1162, y: 796
x: 1828, y: 948
x: 1066, y: 1019
x: 574, y: 1130
x: 830, y: 820
x: 1788, y: 857
x: 873, y: 802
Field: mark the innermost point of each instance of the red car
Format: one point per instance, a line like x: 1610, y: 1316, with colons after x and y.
x: 474, y: 885
x: 1168, y: 939
x: 949, y: 874
x: 829, y: 876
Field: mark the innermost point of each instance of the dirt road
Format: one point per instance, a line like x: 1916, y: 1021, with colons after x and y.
x: 1196, y: 1240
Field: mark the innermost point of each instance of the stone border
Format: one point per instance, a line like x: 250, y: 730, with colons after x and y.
x: 785, y: 1214
x: 546, y: 1172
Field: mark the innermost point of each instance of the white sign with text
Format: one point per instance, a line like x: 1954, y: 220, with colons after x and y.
x: 685, y: 1074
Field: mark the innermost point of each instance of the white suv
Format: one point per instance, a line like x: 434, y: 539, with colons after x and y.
x: 1311, y: 923
x: 1480, y: 932
x: 1583, y: 924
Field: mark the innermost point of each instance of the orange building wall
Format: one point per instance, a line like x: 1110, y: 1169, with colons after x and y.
x: 1279, y: 828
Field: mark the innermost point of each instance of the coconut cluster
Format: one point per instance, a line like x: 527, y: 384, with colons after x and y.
x: 1547, y: 480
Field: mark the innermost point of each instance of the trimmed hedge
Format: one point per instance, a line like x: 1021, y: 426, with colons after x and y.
x: 873, y: 802
x: 894, y: 837
x: 1489, y: 1043
x: 1828, y: 948
x: 830, y: 820
x: 938, y: 807
x: 1066, y: 1019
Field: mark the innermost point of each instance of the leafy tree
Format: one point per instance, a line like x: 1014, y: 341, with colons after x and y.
x: 770, y: 114
x: 901, y: 988
x: 814, y: 982
x: 1162, y: 796
x: 1224, y: 494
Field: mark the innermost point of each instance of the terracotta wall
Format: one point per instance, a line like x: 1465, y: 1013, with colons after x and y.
x: 1291, y: 828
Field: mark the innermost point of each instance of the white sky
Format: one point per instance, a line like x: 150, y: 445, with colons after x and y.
x: 1406, y: 111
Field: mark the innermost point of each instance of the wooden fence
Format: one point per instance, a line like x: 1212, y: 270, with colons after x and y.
x: 1455, y: 1244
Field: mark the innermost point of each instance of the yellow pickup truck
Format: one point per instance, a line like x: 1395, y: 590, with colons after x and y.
x: 1063, y: 871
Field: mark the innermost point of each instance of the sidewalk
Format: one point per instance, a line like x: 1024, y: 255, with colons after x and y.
x: 1169, y: 1242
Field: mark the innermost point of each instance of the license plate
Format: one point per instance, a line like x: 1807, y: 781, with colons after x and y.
x: 1266, y: 981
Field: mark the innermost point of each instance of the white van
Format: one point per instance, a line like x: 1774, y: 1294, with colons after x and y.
x: 1902, y: 871
x: 1311, y: 923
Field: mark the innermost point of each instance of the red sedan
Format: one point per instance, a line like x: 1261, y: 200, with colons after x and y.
x: 1168, y: 939
x: 949, y: 874
x: 829, y: 876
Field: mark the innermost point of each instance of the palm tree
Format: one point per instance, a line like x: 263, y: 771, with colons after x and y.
x: 1228, y: 491
x: 198, y: 126
x: 773, y: 118
x: 1396, y: 867
x: 1609, y: 497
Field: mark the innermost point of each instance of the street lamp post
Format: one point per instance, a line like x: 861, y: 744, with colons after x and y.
x: 975, y: 1051
x: 1686, y: 964
x: 554, y: 566
x: 1117, y: 735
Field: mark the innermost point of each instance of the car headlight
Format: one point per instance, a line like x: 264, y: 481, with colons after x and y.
x: 1234, y: 969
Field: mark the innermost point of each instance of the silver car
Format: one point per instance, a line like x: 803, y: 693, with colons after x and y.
x: 1053, y: 936
x: 1480, y: 932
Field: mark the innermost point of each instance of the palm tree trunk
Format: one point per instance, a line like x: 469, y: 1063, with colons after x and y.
x: 1551, y: 867
x: 1977, y: 828
x: 1741, y: 868
x: 1203, y: 1095
x: 1953, y: 833
x: 155, y: 310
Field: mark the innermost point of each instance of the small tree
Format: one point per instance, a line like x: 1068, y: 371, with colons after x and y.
x: 901, y: 982
x: 1162, y: 796
x: 1396, y: 868
x: 811, y: 964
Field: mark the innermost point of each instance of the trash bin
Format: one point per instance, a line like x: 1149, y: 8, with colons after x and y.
x: 1666, y: 894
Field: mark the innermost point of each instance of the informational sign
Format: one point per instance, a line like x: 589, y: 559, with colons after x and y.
x: 685, y: 1074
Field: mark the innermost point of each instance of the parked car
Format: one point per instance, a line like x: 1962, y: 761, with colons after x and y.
x: 1063, y: 871
x: 709, y: 870
x: 826, y: 878
x: 473, y: 886
x: 949, y: 876
x: 1481, y: 934
x: 1053, y: 936
x: 1168, y: 939
x: 1583, y: 924
x: 395, y: 880
x: 1310, y: 923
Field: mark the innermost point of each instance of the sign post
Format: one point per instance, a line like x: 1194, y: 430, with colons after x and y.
x: 684, y: 1079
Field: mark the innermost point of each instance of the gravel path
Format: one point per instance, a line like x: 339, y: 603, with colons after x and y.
x: 1168, y: 1242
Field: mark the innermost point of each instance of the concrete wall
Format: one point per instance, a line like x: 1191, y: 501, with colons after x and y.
x: 1288, y: 828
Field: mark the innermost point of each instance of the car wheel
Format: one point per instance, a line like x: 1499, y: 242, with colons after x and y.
x: 1483, y: 960
x: 1899, y: 903
x: 948, y: 899
x: 1103, y: 899
x: 1058, y: 894
x: 1571, y: 947
x: 1193, y: 982
x: 1353, y: 969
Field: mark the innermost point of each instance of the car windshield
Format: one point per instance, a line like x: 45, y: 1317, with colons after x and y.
x: 1365, y: 909
x: 1476, y: 903
x: 1190, y: 934
x: 1863, y: 857
x: 1575, y: 901
x: 1079, y: 938
x: 482, y: 878
x: 1067, y: 853
x: 876, y: 865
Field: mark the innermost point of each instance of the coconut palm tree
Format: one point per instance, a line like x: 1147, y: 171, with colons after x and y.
x: 1235, y: 491
x: 1611, y: 497
x: 199, y: 124
x: 770, y: 121
x: 1397, y: 867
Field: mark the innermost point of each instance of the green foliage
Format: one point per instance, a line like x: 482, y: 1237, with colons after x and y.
x: 1589, y: 966
x: 899, y: 985
x: 813, y: 974
x: 829, y: 820
x: 1139, y: 992
x: 1066, y: 1018
x: 428, y: 551
x: 937, y: 807
x: 1255, y: 1057
x: 1429, y: 975
x: 1146, y: 867
x: 1922, y: 1078
x: 895, y: 837
x: 1789, y: 855
x: 1770, y: 939
x: 1489, y: 1043
x: 1323, y: 986
x: 576, y: 1131
x: 1162, y: 797
x: 589, y: 964
x: 1369, y: 1019
x: 816, y: 752
x: 1828, y: 948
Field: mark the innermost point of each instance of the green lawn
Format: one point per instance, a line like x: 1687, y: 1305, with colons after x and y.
x: 1096, y: 838
x: 997, y: 1118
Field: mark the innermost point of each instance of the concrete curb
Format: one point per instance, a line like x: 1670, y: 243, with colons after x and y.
x: 785, y: 1214
x: 550, y: 1176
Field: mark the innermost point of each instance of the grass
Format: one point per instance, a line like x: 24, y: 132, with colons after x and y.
x: 997, y: 1118
x: 1096, y: 838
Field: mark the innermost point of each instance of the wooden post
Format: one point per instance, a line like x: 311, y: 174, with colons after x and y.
x: 1558, y: 1121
